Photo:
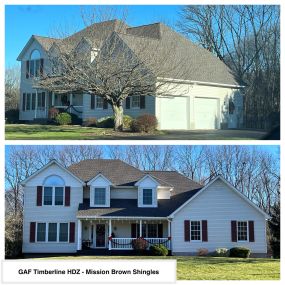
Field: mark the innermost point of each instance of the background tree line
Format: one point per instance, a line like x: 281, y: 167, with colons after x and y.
x: 254, y: 171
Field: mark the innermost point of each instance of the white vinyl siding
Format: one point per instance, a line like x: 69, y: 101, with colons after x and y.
x: 219, y: 205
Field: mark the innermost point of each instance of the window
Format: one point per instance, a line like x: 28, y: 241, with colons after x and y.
x: 152, y: 230
x: 92, y: 102
x: 33, y: 101
x: 100, y: 196
x: 147, y: 196
x: 34, y: 66
x: 54, y: 180
x: 52, y: 232
x: 48, y: 195
x: 28, y: 103
x: 195, y: 230
x: 41, y: 232
x: 24, y: 102
x: 99, y: 102
x: 63, y: 232
x: 135, y: 101
x: 58, y: 197
x: 41, y: 100
x: 242, y: 231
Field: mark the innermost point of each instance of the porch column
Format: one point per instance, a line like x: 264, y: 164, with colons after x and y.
x: 169, y: 235
x: 52, y: 99
x: 110, y: 234
x: 140, y: 228
x: 36, y: 103
x: 79, y: 233
x: 169, y: 228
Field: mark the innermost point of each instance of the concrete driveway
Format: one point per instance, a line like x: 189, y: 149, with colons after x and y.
x: 201, y: 135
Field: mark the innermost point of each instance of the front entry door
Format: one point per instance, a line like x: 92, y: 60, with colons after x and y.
x: 100, y: 235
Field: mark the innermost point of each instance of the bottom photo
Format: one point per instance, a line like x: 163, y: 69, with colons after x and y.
x: 215, y: 209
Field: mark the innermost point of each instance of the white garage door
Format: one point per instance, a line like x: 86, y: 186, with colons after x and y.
x: 206, y: 113
x: 173, y: 113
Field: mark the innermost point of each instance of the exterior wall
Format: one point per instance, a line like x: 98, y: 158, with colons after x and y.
x: 33, y: 213
x: 147, y: 183
x: 99, y: 113
x: 163, y: 193
x: 26, y: 84
x: 118, y: 193
x: 218, y: 205
x: 190, y: 92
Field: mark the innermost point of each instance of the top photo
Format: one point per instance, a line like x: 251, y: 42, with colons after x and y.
x: 139, y: 72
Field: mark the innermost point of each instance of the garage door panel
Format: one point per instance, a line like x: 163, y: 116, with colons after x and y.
x: 173, y: 113
x: 206, y: 113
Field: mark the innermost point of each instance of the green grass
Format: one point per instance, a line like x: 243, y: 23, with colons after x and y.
x: 52, y: 132
x: 211, y: 268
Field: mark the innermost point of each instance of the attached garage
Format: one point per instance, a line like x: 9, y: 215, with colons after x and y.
x: 206, y: 115
x: 173, y: 113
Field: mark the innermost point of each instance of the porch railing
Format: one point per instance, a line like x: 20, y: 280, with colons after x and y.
x: 127, y: 243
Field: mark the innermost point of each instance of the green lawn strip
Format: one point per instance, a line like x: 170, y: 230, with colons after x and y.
x: 209, y: 268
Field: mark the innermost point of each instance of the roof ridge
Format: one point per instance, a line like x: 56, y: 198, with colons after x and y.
x: 156, y: 23
x: 46, y: 37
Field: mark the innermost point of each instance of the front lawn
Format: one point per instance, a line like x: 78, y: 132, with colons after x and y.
x: 52, y: 132
x: 211, y: 268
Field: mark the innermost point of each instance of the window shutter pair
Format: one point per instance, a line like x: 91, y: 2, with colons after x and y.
x: 204, y: 230
x: 40, y: 193
x: 71, y: 232
x: 142, y: 102
x: 250, y: 231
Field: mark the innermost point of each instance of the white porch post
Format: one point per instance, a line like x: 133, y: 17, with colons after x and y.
x: 79, y: 233
x: 52, y: 99
x: 36, y: 104
x: 140, y: 228
x: 110, y: 234
x: 169, y: 234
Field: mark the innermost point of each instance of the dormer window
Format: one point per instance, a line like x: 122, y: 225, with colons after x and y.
x: 53, y: 194
x: 34, y: 66
x: 100, y: 196
x: 147, y: 196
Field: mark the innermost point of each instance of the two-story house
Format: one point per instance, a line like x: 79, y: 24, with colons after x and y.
x: 211, y: 97
x: 108, y: 203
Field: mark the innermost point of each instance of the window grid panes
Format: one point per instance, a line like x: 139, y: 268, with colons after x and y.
x: 136, y: 101
x: 41, y: 232
x: 242, y: 231
x: 195, y: 230
x: 99, y: 102
x: 52, y: 231
x: 147, y: 196
x: 47, y: 195
x: 100, y: 196
x: 58, y: 200
x: 152, y: 230
x: 63, y: 232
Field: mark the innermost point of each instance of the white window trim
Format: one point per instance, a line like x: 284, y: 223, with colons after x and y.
x: 154, y: 198
x: 196, y: 240
x: 107, y: 188
x: 247, y: 232
x: 131, y: 102
x: 57, y: 233
x: 53, y: 196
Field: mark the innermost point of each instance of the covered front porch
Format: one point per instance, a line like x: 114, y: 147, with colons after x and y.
x: 119, y: 234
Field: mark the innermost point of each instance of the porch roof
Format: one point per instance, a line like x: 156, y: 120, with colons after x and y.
x: 129, y: 208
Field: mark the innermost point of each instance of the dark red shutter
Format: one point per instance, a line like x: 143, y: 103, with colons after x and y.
x: 234, y: 231
x: 142, y: 102
x: 133, y: 230
x: 41, y: 67
x: 92, y: 104
x: 105, y: 104
x: 67, y: 196
x: 32, y: 232
x: 204, y: 230
x: 27, y: 69
x: 160, y: 230
x: 72, y: 232
x: 128, y: 103
x: 251, y: 231
x: 39, y: 195
x: 186, y: 230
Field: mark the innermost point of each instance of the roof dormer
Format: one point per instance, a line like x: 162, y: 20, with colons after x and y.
x: 147, y: 191
x: 99, y: 191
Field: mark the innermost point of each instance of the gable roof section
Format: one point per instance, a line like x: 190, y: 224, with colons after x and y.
x: 48, y: 165
x: 230, y: 187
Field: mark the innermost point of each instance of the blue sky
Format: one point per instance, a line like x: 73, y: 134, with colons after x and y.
x: 22, y: 21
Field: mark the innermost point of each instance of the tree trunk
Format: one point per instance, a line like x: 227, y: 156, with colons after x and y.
x: 118, y: 116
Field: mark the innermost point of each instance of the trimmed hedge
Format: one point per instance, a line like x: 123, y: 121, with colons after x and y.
x: 63, y: 119
x: 158, y: 250
x: 242, y: 252
x: 221, y: 252
x: 108, y: 122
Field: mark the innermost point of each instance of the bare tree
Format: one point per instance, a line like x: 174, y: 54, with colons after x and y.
x: 12, y: 88
x: 247, y: 39
x: 113, y: 63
